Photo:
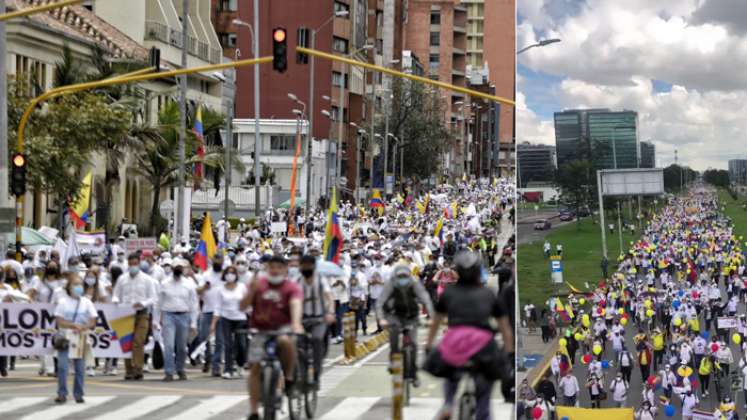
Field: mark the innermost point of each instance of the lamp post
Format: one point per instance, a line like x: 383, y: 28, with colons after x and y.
x: 308, y: 157
x: 257, y: 138
x: 361, y: 132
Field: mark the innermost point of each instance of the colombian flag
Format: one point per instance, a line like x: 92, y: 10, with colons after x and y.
x: 206, y: 248
x: 79, y: 209
x: 439, y: 230
x: 197, y: 129
x: 377, y: 202
x: 124, y: 331
x: 333, y: 239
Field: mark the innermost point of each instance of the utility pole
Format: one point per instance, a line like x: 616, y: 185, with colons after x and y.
x: 372, y: 137
x: 341, y: 121
x: 180, y: 210
x: 4, y: 198
x: 310, y: 137
x: 257, y: 138
x: 229, y: 137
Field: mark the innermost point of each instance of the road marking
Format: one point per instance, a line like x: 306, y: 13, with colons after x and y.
x: 18, y: 403
x: 332, y: 362
x: 350, y: 408
x: 209, y: 407
x: 145, y: 385
x: 334, y: 377
x: 139, y: 408
x: 60, y: 411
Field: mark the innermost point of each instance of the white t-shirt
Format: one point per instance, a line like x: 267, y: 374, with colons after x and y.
x: 66, y: 309
x: 210, y: 296
x: 228, y: 302
x: 45, y: 291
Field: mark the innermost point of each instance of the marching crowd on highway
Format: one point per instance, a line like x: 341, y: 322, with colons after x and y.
x: 216, y: 304
x: 669, y: 324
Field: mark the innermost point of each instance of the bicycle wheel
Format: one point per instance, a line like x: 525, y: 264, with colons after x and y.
x: 407, y: 374
x: 295, y: 396
x: 269, y: 391
x: 467, y: 407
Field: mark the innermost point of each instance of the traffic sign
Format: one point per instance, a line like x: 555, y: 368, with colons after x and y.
x: 556, y: 269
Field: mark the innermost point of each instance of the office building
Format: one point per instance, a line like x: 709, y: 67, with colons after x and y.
x: 738, y: 171
x: 608, y: 138
x: 648, y: 155
x: 536, y: 163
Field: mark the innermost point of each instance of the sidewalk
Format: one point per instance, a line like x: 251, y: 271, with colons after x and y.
x: 532, y: 354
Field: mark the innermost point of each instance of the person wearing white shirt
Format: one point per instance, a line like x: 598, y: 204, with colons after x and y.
x: 569, y: 386
x: 619, y: 389
x: 42, y: 289
x: 242, y: 268
x: 342, y: 297
x: 210, y: 285
x: 375, y: 286
x: 689, y: 402
x: 178, y: 306
x: 232, y: 321
x: 138, y: 290
x: 75, y: 315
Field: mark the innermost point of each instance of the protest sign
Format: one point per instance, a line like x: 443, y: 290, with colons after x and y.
x: 27, y: 330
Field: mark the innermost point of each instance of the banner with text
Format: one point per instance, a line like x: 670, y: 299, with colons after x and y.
x: 27, y: 330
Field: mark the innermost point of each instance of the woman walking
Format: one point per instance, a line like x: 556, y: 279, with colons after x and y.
x: 233, y: 323
x: 75, y: 315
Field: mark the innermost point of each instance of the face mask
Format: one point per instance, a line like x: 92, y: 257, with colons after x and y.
x: 230, y: 277
x: 402, y: 281
x: 178, y: 272
x: 133, y: 270
x: 241, y: 268
x: 90, y: 280
x: 145, y: 266
x: 275, y: 279
x: 293, y: 271
x: 77, y: 290
x: 308, y: 272
x: 217, y: 267
x: 52, y: 272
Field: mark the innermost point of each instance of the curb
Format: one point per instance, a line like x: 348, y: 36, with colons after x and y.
x: 364, y: 348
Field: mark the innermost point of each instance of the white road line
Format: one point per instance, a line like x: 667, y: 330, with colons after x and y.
x: 18, y: 403
x: 139, y: 408
x: 502, y: 410
x: 333, y: 377
x: 350, y: 408
x: 210, y: 407
x: 331, y: 362
x: 60, y: 411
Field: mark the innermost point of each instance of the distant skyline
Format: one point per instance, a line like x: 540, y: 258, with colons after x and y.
x: 678, y: 63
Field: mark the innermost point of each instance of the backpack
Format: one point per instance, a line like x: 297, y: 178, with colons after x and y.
x: 404, y: 302
x: 625, y: 359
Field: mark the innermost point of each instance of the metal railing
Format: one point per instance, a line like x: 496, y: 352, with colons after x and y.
x: 158, y: 31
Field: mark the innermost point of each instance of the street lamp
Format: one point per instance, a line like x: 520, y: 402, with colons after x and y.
x: 540, y: 43
x: 254, y: 30
x: 339, y: 13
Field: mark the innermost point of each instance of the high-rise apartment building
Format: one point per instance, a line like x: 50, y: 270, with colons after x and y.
x: 738, y: 171
x: 536, y: 163
x: 648, y: 155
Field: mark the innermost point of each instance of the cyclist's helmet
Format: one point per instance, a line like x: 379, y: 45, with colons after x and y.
x: 468, y: 267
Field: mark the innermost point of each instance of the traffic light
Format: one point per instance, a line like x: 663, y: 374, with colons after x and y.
x: 279, y: 49
x: 18, y: 174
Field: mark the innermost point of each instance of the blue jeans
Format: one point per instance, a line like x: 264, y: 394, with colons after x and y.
x: 206, y: 318
x: 340, y: 309
x: 483, y: 388
x: 175, y: 333
x: 234, y: 343
x: 63, y: 363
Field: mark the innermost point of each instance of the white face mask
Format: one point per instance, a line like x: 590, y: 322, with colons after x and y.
x: 167, y: 269
x: 90, y: 280
x: 230, y: 277
x: 293, y: 271
x: 275, y: 279
x: 242, y: 268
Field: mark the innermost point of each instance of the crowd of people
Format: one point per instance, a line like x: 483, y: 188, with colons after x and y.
x: 670, y: 321
x: 215, y: 314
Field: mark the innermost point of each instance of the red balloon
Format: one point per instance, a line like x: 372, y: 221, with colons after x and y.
x: 537, y: 412
x: 714, y: 347
x: 586, y: 359
x: 600, y: 310
x: 695, y: 295
x: 651, y: 380
x: 625, y: 315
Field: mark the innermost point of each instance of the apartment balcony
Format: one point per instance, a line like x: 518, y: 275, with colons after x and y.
x: 460, y: 30
x: 156, y: 31
x: 457, y: 73
x: 458, y: 51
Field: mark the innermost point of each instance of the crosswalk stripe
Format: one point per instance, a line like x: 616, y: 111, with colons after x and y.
x: 422, y: 408
x: 18, y: 403
x: 210, y: 407
x: 350, y: 408
x: 139, y: 408
x: 60, y: 411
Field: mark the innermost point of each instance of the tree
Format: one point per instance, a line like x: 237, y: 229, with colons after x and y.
x: 717, y: 177
x: 675, y: 177
x: 575, y: 184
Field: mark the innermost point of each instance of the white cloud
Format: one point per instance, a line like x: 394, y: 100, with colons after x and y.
x: 612, y: 50
x: 529, y: 127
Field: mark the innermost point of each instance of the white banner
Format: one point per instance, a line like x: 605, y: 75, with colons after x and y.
x: 94, y: 243
x: 140, y: 244
x: 726, y: 322
x: 26, y: 329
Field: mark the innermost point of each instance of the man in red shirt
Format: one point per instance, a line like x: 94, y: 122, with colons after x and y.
x: 276, y: 303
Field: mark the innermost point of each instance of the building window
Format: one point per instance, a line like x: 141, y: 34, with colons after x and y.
x: 433, y: 62
x: 435, y: 39
x: 340, y: 45
x: 228, y: 40
x: 435, y: 17
x: 228, y: 5
x: 282, y: 144
x: 337, y: 79
x: 342, y: 7
x: 336, y: 114
x: 32, y: 72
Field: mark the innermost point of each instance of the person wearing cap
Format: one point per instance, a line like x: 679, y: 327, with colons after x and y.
x: 277, y: 306
x: 178, y: 306
x: 139, y: 290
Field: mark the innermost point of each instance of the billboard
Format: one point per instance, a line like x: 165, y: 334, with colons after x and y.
x: 625, y: 182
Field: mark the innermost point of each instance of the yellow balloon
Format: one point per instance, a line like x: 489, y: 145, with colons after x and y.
x: 650, y: 313
x: 621, y: 311
x: 578, y: 336
x: 624, y: 321
x: 597, y: 349
x: 647, y: 303
x: 581, y: 301
x: 736, y: 338
x: 563, y: 342
x: 677, y: 322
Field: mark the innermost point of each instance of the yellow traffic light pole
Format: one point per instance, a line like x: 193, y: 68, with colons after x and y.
x: 38, y: 9
x: 137, y: 76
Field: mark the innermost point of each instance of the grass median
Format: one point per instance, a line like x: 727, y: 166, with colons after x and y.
x: 733, y: 209
x: 582, y: 254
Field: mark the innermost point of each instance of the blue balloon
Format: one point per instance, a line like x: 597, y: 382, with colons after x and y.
x: 681, y: 293
x: 704, y: 334
x: 605, y: 364
x: 669, y: 410
x: 565, y: 418
x: 676, y: 304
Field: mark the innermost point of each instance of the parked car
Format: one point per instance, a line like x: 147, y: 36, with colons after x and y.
x: 542, y: 224
x: 567, y: 216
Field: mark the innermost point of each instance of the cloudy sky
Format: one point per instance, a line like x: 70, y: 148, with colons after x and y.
x: 682, y: 64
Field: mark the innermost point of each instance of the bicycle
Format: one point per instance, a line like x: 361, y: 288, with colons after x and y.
x: 271, y: 371
x: 408, y: 364
x: 467, y: 392
x: 305, y: 393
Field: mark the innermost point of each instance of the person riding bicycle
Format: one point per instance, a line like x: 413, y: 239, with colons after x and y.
x: 276, y: 303
x: 397, y: 308
x: 318, y: 309
x: 469, y: 342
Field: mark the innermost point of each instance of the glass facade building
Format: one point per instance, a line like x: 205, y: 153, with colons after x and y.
x: 613, y: 136
x: 536, y: 163
x: 648, y: 155
x: 738, y: 171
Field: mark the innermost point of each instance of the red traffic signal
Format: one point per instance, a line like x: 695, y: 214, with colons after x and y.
x: 18, y: 174
x: 279, y: 50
